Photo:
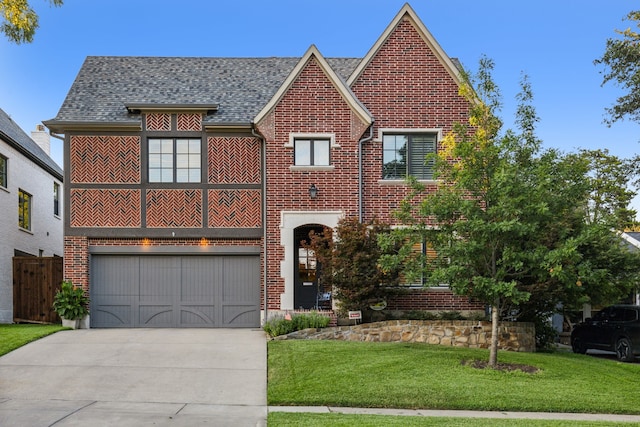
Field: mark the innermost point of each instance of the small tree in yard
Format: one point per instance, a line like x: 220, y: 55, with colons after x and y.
x: 349, y: 263
x: 507, y: 219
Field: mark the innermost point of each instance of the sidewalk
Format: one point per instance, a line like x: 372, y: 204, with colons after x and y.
x: 459, y: 414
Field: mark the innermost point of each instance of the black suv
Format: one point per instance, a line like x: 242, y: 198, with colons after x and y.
x: 616, y: 328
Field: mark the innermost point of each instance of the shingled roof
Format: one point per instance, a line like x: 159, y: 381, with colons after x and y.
x: 13, y: 135
x: 239, y: 86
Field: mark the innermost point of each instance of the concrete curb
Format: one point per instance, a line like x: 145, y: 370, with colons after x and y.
x: 459, y: 414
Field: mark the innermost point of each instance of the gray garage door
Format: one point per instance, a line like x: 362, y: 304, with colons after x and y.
x: 165, y: 291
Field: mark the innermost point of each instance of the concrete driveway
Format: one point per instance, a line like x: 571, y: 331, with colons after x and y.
x: 134, y: 377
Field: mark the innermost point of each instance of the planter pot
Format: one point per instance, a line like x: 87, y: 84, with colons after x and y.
x: 73, y: 324
x: 84, y: 323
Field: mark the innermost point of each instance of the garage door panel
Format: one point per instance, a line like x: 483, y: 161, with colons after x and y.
x: 175, y: 291
x: 159, y: 316
x: 159, y: 278
x: 192, y: 315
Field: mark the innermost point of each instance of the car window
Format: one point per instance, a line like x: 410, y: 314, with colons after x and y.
x: 630, y: 315
x: 601, y: 315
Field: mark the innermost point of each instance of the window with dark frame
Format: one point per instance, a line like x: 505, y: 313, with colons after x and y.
x: 56, y: 199
x: 175, y: 160
x: 312, y: 152
x: 405, y: 154
x: 24, y: 209
x: 3, y: 171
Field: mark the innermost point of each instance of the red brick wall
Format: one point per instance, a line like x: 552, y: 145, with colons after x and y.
x: 311, y: 105
x: 404, y: 86
x: 433, y: 299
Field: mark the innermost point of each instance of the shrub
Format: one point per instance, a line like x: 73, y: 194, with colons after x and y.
x: 279, y: 325
x: 70, y: 302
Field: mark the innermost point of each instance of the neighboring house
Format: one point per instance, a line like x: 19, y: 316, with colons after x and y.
x: 31, y: 196
x: 192, y: 181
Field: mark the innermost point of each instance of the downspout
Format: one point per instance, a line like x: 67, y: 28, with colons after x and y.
x: 360, y: 178
x: 263, y: 164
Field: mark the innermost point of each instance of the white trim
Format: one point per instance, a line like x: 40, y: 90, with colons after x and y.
x: 302, y: 135
x: 428, y: 38
x: 312, y: 168
x: 338, y: 83
x: 404, y: 131
x: 289, y: 221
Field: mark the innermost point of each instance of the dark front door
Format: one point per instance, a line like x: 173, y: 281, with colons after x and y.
x: 306, y: 289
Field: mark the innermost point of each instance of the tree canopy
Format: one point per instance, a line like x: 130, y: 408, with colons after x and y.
x: 20, y: 20
x: 621, y: 60
x: 508, y: 220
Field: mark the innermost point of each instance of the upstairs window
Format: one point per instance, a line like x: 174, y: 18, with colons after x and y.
x: 56, y: 199
x: 405, y: 154
x: 175, y: 160
x: 3, y: 171
x: 24, y: 209
x: 312, y: 152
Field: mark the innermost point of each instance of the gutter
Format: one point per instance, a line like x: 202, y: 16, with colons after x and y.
x: 360, y: 179
x: 263, y: 162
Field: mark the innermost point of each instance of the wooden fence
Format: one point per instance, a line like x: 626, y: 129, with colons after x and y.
x: 35, y: 282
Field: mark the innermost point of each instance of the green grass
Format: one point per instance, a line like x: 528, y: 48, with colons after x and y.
x: 14, y: 336
x: 397, y: 375
x: 282, y: 419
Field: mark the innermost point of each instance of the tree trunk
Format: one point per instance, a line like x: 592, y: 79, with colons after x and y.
x: 493, y: 350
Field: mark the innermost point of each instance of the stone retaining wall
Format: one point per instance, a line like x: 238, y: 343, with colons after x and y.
x: 514, y: 336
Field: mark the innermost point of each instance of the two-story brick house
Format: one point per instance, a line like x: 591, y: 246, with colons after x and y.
x: 192, y: 181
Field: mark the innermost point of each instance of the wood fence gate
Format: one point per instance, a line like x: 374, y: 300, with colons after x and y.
x: 35, y: 282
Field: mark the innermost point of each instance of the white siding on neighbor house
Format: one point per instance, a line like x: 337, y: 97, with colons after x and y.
x: 46, y: 234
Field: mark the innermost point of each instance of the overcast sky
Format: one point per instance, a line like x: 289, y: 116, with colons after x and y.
x: 553, y: 41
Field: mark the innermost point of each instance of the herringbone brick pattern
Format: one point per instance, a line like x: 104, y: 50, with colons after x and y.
x: 105, y: 159
x: 234, y: 208
x: 105, y: 208
x: 174, y: 208
x: 189, y: 122
x: 234, y: 160
x: 158, y: 121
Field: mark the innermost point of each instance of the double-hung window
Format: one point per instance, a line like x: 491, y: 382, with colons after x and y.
x: 405, y: 154
x: 24, y: 209
x: 175, y: 160
x: 56, y: 199
x: 312, y: 152
x: 3, y: 171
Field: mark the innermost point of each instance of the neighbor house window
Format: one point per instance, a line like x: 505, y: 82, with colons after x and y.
x: 312, y: 152
x: 24, y: 210
x: 405, y: 154
x: 56, y: 199
x: 175, y: 160
x: 3, y: 171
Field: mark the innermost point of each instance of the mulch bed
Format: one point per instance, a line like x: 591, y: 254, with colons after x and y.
x: 504, y: 367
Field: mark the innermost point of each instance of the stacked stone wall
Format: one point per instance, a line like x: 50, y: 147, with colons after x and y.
x: 513, y: 336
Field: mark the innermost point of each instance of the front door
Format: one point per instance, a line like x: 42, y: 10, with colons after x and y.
x: 306, y: 288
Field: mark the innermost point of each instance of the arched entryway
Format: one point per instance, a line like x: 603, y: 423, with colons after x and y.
x: 308, y: 292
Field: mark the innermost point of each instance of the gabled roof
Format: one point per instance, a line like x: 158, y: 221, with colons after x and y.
x: 338, y: 83
x: 407, y: 11
x: 13, y: 135
x: 240, y: 87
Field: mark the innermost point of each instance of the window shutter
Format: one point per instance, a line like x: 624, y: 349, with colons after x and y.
x: 420, y: 146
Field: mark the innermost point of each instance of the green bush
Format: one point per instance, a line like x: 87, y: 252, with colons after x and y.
x: 279, y: 325
x: 70, y: 302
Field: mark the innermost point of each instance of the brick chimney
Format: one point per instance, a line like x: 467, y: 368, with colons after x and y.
x: 42, y: 138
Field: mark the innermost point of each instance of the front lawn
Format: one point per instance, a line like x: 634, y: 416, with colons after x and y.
x: 14, y: 336
x: 397, y: 375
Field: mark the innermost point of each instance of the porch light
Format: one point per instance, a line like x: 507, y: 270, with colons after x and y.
x: 313, y: 191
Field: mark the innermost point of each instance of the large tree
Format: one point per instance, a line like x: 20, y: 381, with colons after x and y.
x: 622, y: 66
x: 508, y: 219
x: 20, y: 20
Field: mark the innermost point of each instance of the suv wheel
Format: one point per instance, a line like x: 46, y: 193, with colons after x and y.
x: 623, y: 350
x: 577, y: 346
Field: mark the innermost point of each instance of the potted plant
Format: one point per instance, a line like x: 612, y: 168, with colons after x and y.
x: 70, y: 303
